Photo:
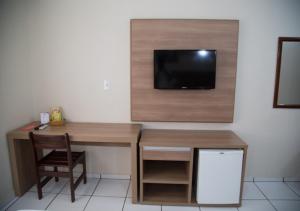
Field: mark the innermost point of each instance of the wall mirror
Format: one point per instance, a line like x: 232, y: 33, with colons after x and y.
x: 287, y: 82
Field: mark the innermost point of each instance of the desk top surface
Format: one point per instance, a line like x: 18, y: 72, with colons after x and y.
x: 87, y: 132
x: 192, y: 138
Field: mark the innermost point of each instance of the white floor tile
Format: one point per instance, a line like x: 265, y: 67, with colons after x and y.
x: 30, y: 201
x: 250, y: 191
x: 97, y: 203
x: 286, y: 205
x: 256, y: 205
x: 180, y: 208
x: 52, y: 186
x: 295, y: 186
x: 140, y: 207
x: 83, y: 189
x: 63, y: 203
x: 218, y: 209
x: 111, y: 187
x: 276, y: 190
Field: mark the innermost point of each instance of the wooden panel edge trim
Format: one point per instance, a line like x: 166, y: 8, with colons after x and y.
x: 14, y: 166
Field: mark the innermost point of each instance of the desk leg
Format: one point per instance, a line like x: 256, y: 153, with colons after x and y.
x: 134, y: 180
x: 22, y: 165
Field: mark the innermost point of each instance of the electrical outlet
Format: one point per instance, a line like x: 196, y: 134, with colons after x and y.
x: 106, y: 84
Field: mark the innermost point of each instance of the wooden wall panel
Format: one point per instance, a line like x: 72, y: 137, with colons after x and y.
x: 149, y: 104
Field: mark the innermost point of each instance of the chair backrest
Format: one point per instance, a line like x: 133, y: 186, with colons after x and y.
x: 40, y: 142
x: 49, y: 141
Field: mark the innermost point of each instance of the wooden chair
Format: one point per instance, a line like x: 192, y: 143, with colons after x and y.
x: 56, y: 159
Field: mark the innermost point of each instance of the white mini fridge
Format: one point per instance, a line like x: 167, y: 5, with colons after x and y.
x: 219, y: 176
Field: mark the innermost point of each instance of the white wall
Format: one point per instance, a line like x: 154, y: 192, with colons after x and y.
x: 15, y: 84
x: 75, y: 44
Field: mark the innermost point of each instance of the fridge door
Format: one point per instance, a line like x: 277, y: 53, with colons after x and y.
x: 219, y: 176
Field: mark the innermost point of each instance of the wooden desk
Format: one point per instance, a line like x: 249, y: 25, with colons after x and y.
x: 116, y: 134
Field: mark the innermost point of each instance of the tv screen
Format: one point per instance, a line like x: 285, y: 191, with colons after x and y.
x: 184, y: 69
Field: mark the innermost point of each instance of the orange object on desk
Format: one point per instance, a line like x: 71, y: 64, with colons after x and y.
x: 29, y: 127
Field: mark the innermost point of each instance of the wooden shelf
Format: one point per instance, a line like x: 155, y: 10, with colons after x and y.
x: 166, y: 172
x: 166, y: 176
x: 165, y: 193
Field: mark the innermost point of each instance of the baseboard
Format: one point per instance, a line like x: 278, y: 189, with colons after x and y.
x: 89, y: 175
x: 268, y: 179
x: 291, y: 179
x: 7, y: 205
x: 115, y: 176
x: 103, y: 175
x: 248, y: 179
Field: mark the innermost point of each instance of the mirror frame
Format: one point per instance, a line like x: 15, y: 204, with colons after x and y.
x: 278, y: 66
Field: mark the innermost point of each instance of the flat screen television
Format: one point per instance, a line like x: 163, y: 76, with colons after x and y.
x: 184, y: 69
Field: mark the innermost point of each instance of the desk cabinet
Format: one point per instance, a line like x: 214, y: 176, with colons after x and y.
x: 169, y: 167
x: 166, y: 174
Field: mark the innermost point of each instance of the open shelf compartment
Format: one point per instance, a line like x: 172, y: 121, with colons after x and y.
x: 165, y: 193
x: 167, y: 172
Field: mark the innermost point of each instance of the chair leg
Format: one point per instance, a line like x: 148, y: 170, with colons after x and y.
x: 72, y: 189
x: 84, y: 170
x: 56, y: 178
x: 39, y: 190
x: 38, y: 184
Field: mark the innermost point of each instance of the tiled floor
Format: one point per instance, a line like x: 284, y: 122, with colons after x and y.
x: 115, y: 195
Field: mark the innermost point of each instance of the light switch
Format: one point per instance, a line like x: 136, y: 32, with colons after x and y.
x: 106, y: 84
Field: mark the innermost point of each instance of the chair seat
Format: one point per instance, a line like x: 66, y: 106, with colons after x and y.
x: 59, y: 158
